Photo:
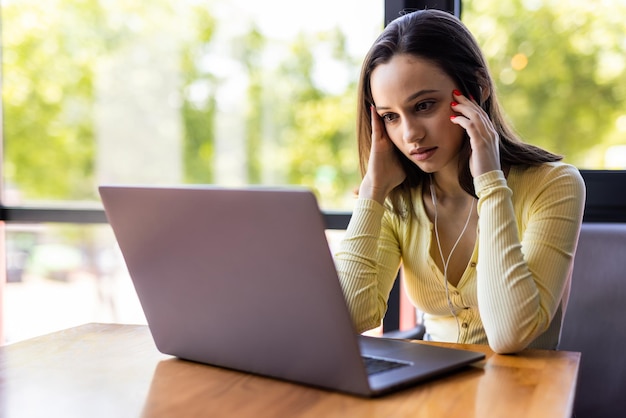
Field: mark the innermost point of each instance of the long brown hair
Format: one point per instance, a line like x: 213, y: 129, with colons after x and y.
x: 443, y: 39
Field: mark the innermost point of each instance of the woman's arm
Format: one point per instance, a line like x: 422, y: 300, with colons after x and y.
x: 367, y: 263
x: 521, y: 278
x: 368, y: 259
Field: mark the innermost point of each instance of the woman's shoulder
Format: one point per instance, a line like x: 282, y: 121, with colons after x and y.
x: 546, y: 171
x: 411, y: 213
x: 546, y: 175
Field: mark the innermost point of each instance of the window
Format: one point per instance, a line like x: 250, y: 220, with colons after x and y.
x: 236, y: 92
x: 160, y: 92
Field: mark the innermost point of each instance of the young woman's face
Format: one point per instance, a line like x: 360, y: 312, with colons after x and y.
x: 413, y: 97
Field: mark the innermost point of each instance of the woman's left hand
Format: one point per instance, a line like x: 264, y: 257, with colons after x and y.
x: 484, y: 140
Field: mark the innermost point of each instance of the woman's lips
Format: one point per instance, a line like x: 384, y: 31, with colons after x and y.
x: 421, y: 154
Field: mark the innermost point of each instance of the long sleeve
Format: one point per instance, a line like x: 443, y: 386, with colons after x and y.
x: 526, y: 249
x: 513, y: 291
x: 367, y: 263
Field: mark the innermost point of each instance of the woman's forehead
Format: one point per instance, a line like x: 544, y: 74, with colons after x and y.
x: 406, y: 74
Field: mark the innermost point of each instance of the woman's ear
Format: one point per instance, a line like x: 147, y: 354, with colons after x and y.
x: 485, y: 92
x: 484, y: 86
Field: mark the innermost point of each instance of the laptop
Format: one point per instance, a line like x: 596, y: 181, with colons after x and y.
x: 244, y: 279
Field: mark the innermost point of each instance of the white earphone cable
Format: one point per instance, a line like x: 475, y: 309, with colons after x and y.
x: 446, y: 261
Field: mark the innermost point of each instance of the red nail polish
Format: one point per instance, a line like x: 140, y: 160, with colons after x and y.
x: 453, y: 104
x: 457, y: 93
x: 452, y: 117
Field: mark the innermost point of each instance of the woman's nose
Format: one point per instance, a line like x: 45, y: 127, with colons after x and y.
x: 412, y: 131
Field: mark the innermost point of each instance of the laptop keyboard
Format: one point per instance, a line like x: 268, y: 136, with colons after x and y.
x: 377, y: 365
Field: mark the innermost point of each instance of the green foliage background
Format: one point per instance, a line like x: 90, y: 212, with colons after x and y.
x: 572, y: 91
x: 560, y: 70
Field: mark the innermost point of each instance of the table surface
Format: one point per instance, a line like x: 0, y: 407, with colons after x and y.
x: 114, y: 370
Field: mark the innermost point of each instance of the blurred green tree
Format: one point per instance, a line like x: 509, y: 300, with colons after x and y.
x: 318, y: 138
x: 198, y: 109
x: 48, y: 97
x: 560, y: 69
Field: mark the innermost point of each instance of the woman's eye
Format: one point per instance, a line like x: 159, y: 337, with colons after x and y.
x: 389, y: 117
x: 423, y: 106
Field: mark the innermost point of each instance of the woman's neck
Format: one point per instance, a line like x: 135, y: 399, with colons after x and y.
x: 447, y: 188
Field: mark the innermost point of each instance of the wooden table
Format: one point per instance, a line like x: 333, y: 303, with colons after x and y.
x: 104, y: 370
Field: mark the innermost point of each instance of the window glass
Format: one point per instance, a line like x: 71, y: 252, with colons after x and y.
x: 560, y: 68
x: 164, y: 92
x: 60, y: 276
x: 239, y: 92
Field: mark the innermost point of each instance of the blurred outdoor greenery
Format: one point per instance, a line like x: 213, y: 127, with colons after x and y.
x: 560, y: 68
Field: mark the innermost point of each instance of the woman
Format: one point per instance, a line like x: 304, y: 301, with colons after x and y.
x: 484, y: 226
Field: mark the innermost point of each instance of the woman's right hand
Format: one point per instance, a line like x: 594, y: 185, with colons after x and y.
x: 384, y: 171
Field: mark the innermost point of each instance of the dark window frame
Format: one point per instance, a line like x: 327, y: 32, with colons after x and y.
x: 604, y: 203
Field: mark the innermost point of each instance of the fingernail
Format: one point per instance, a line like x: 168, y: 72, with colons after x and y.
x: 453, y: 104
x: 452, y: 117
x: 457, y: 93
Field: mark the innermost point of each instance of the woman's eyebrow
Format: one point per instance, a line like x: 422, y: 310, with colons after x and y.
x: 411, y: 97
x: 419, y: 93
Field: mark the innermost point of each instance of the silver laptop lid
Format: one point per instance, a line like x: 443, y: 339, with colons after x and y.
x: 239, y: 278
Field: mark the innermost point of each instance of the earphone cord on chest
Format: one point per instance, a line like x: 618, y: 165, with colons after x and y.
x: 446, y: 261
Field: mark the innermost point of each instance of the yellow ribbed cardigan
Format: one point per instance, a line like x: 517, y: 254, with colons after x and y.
x: 514, y: 291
